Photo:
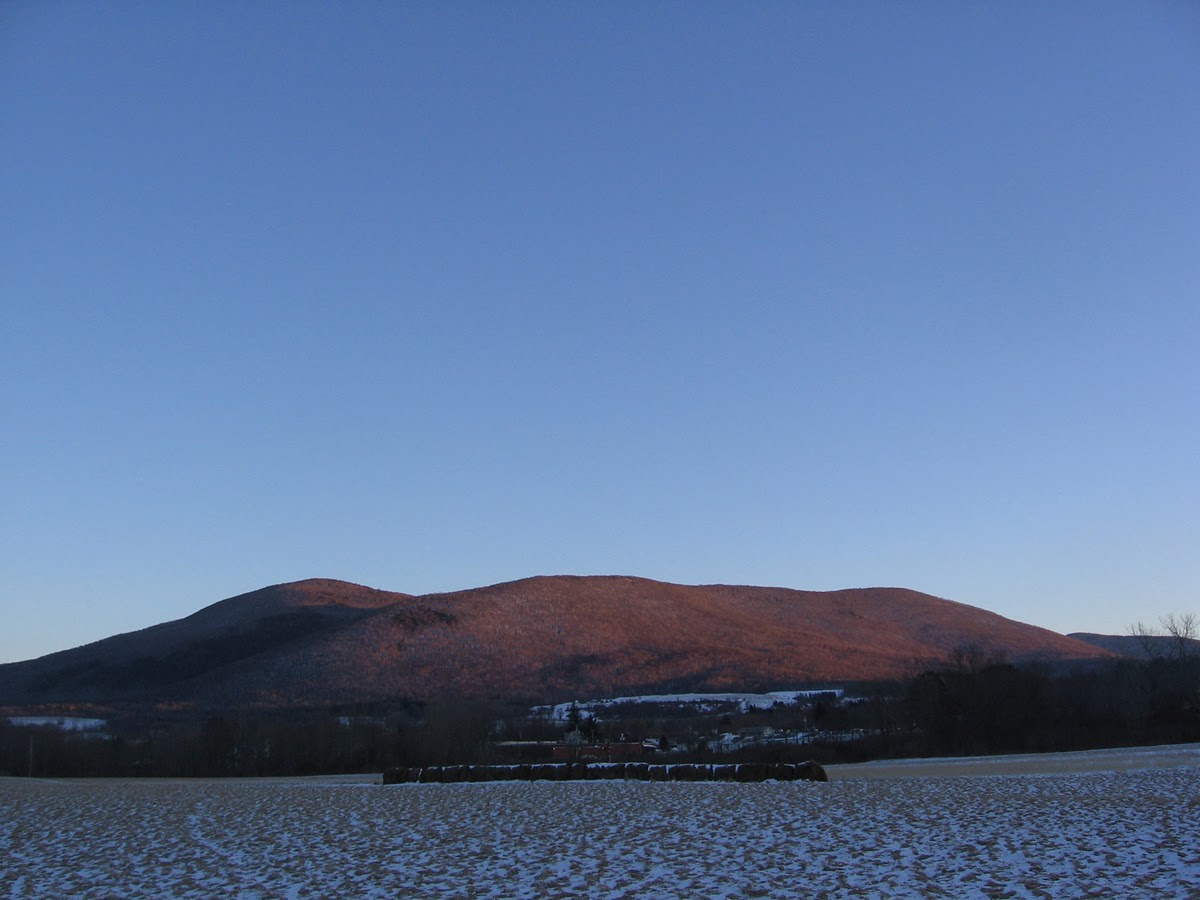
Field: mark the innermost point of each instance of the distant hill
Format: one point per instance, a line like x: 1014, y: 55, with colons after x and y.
x: 1162, y: 646
x: 323, y: 642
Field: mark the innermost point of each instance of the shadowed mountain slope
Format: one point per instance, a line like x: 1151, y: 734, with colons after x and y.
x: 171, y: 661
x: 542, y: 638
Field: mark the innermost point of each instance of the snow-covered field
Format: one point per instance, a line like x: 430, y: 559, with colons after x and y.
x: 1124, y: 824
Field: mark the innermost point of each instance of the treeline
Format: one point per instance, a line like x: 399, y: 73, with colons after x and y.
x: 220, y: 746
x: 972, y: 705
x: 253, y: 744
x: 993, y: 707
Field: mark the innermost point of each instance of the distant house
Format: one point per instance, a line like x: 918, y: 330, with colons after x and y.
x: 756, y: 732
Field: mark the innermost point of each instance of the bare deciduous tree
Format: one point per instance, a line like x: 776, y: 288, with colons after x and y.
x: 1182, y: 627
x: 1183, y: 630
x: 1146, y: 636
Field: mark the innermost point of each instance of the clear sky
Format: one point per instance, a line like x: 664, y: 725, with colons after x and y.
x: 429, y: 296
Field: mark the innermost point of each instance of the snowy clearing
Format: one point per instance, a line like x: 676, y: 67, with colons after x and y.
x: 1115, y: 828
x: 702, y: 702
x: 62, y: 723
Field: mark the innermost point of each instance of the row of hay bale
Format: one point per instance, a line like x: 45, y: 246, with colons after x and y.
x: 580, y: 771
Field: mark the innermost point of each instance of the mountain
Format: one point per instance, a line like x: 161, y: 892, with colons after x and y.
x: 323, y: 642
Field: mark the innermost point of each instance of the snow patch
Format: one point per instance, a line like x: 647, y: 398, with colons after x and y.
x: 703, y: 702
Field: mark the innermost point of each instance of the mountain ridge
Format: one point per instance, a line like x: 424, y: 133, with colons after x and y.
x: 326, y: 642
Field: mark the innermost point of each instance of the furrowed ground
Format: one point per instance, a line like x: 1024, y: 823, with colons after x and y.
x: 1116, y: 823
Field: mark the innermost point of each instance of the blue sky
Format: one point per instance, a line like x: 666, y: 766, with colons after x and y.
x: 432, y: 296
